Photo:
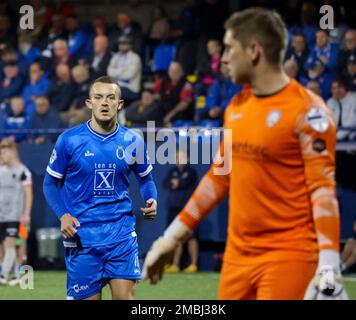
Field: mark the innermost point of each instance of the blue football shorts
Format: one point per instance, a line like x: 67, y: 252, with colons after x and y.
x: 89, y: 269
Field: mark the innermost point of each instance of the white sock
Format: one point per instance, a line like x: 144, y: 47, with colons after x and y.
x: 16, y: 269
x: 9, y: 261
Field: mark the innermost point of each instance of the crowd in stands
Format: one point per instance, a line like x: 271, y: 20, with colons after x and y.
x: 171, y: 74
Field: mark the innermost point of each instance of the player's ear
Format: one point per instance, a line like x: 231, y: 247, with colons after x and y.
x: 254, y: 52
x: 120, y: 104
x: 88, y: 103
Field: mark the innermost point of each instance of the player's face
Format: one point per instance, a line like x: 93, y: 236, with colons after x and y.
x: 5, y: 155
x: 104, y: 102
x: 236, y: 59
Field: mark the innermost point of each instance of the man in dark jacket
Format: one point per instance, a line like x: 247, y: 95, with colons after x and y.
x: 181, y: 181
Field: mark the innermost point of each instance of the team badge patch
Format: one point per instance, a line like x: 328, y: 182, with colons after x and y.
x: 318, y: 119
x: 120, y: 153
x: 53, y: 156
x: 273, y: 117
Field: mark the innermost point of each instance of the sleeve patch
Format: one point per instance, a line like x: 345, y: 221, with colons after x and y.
x: 319, y: 145
x: 318, y: 119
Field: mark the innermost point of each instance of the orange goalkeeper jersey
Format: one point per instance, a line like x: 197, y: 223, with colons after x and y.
x: 282, y: 158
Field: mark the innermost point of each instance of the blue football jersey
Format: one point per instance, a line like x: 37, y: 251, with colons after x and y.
x: 94, y: 169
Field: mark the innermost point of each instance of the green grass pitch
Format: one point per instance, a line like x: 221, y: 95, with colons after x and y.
x: 50, y: 285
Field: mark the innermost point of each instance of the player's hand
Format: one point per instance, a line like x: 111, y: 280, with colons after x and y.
x: 26, y: 219
x: 67, y: 226
x: 157, y: 257
x: 326, y: 285
x: 150, y: 211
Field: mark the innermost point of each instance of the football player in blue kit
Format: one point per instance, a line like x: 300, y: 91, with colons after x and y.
x: 86, y: 185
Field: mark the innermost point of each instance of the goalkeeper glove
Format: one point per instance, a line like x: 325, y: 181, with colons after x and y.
x: 327, y: 283
x: 163, y: 249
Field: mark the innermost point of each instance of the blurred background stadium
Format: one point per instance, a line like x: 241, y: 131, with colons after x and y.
x: 175, y: 50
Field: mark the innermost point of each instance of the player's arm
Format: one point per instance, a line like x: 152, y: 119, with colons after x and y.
x: 54, y: 200
x: 142, y: 168
x: 212, y: 189
x: 148, y: 192
x: 55, y: 172
x: 28, y: 194
x: 317, y: 137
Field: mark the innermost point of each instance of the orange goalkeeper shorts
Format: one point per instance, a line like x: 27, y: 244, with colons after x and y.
x: 276, y: 280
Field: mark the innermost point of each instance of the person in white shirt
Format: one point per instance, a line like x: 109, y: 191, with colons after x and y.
x: 343, y: 106
x: 126, y: 68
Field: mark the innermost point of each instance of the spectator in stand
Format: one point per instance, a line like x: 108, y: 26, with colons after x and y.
x: 61, y: 54
x: 126, y: 68
x: 16, y: 119
x: 220, y: 94
x: 351, y: 73
x: 314, y: 86
x: 99, y: 26
x: 38, y: 86
x: 208, y: 67
x: 175, y: 95
x: 99, y: 60
x: 308, y: 23
x: 44, y: 48
x: 65, y: 9
x: 347, y: 52
x: 61, y: 89
x: 125, y: 26
x: 343, y: 106
x: 185, y: 32
x: 9, y: 54
x: 322, y: 62
x: 7, y: 33
x: 78, y: 112
x: 298, y: 52
x: 79, y: 44
x: 12, y: 82
x: 291, y: 68
x: 159, y: 29
x: 81, y: 78
x: 45, y: 118
x: 139, y: 112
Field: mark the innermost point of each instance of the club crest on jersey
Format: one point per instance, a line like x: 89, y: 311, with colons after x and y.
x: 273, y: 117
x: 318, y: 119
x: 53, y: 156
x: 120, y: 153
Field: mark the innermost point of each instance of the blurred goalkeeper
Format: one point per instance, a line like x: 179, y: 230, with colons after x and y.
x: 283, y: 229
x: 86, y: 185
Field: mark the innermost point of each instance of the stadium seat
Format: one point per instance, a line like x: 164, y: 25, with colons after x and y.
x: 162, y: 57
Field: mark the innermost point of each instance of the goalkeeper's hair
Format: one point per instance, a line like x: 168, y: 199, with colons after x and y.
x: 105, y: 79
x: 264, y: 26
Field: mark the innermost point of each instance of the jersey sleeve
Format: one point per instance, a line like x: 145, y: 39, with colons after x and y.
x: 141, y: 165
x: 58, y: 162
x: 26, y: 177
x: 317, y: 138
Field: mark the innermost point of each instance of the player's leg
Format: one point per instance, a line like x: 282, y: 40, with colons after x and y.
x: 193, y: 250
x: 122, y: 268
x: 175, y: 266
x: 235, y: 282
x: 11, y: 232
x: 122, y: 289
x: 348, y: 255
x: 285, y: 280
x: 84, y: 273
